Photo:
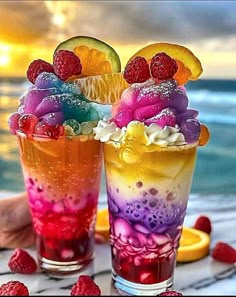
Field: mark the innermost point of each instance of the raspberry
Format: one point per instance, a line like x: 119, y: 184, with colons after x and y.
x: 14, y: 288
x: 170, y: 293
x: 203, y: 223
x: 66, y: 64
x: 37, y: 67
x: 224, y: 252
x: 137, y: 71
x: 163, y: 66
x: 85, y: 286
x: 27, y: 123
x: 22, y: 262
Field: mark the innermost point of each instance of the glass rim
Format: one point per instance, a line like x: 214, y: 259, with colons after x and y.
x: 47, y: 138
x: 173, y: 148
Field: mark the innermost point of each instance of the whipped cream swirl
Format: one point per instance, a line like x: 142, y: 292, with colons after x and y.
x: 163, y: 137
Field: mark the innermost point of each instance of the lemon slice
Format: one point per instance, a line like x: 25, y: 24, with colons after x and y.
x: 194, y: 245
x: 189, y: 66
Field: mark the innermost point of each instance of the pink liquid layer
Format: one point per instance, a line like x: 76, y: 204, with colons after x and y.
x: 64, y: 227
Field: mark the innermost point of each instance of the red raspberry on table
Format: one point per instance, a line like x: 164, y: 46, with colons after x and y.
x: 66, y: 64
x: 163, y: 66
x: 37, y: 67
x: 170, y: 293
x: 14, y: 288
x: 224, y: 252
x: 22, y: 262
x: 85, y: 286
x: 203, y: 223
x: 137, y: 70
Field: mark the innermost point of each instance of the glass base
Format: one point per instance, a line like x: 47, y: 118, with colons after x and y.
x: 127, y: 288
x: 61, y: 269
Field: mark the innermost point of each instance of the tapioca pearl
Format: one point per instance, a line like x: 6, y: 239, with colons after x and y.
x: 171, y: 196
x: 145, y: 194
x: 40, y: 189
x: 153, y: 191
x: 31, y: 181
x: 153, y: 202
x: 138, y: 206
x: 139, y: 184
x: 67, y: 254
x: 151, y: 221
x: 144, y: 201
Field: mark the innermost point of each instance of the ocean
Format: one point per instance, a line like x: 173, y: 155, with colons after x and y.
x: 216, y: 162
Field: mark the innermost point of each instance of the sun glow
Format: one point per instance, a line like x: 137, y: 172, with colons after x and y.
x: 4, y: 55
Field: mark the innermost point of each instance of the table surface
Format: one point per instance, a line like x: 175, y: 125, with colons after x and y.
x: 202, y: 277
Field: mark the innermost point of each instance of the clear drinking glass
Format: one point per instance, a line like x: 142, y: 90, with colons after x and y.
x: 148, y: 189
x: 62, y: 179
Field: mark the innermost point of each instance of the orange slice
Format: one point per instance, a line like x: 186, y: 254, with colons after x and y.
x: 96, y: 56
x: 194, y: 245
x: 102, y: 223
x: 189, y: 66
x: 204, y: 135
x: 104, y: 89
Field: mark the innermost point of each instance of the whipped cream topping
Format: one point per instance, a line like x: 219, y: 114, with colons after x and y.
x: 106, y: 131
x: 163, y: 137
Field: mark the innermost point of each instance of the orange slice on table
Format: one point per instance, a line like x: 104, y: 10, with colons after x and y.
x: 104, y: 88
x: 102, y: 223
x: 96, y: 56
x: 194, y: 245
x: 189, y: 66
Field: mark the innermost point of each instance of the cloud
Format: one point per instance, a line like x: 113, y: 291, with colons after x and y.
x: 138, y: 22
x: 120, y: 22
x: 23, y: 22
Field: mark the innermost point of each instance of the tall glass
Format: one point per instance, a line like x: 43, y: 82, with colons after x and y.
x: 148, y: 189
x: 62, y: 179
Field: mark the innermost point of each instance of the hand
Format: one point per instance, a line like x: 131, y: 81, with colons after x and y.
x: 15, y: 222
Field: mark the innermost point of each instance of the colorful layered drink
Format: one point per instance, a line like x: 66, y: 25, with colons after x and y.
x: 61, y: 160
x: 150, y: 147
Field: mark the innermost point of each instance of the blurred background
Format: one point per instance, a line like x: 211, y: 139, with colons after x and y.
x: 31, y: 30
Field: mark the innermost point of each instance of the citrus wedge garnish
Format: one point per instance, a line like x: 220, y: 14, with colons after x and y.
x: 102, y: 223
x: 194, y: 245
x: 204, y: 135
x: 96, y: 56
x: 189, y: 66
x: 104, y: 88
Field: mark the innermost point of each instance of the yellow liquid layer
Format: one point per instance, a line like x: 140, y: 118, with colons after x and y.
x: 132, y: 168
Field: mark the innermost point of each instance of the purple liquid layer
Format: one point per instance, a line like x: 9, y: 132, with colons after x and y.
x: 144, y: 237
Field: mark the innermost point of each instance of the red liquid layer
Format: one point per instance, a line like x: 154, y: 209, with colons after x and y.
x: 147, y: 272
x: 78, y: 249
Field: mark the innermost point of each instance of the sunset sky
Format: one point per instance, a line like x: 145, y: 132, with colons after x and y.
x: 32, y: 29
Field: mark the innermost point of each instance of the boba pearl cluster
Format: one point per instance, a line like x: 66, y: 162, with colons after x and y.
x: 53, y: 106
